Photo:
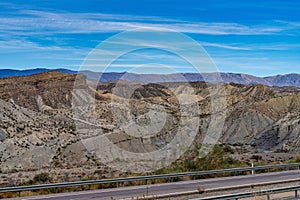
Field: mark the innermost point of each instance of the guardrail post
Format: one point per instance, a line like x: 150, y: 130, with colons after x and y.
x: 118, y: 184
x: 268, y: 196
x: 90, y: 187
x: 296, y: 193
x: 146, y: 181
x: 19, y: 193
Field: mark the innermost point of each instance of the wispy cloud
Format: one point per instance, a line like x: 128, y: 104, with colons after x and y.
x: 20, y: 45
x: 34, y: 21
x: 14, y: 28
x: 224, y: 46
x: 16, y: 45
x: 247, y: 45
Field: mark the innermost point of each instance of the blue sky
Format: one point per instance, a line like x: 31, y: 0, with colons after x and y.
x: 241, y: 36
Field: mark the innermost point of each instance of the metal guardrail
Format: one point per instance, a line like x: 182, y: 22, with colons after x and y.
x: 141, y: 178
x: 254, y: 194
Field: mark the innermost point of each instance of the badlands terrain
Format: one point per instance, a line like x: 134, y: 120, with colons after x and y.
x: 38, y: 131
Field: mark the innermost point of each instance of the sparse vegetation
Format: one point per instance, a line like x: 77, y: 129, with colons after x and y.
x: 38, y: 179
x: 295, y: 159
x: 219, y: 158
x: 42, y: 178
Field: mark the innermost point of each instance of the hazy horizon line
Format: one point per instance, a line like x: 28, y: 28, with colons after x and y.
x: 122, y: 72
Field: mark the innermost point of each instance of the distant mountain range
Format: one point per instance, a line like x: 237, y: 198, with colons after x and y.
x: 278, y: 80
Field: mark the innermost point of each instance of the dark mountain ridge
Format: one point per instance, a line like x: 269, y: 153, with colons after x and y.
x: 246, y: 79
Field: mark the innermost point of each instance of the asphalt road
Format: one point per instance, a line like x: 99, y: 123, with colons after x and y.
x: 166, y: 188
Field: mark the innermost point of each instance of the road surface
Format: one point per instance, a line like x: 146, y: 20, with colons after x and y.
x: 167, y: 188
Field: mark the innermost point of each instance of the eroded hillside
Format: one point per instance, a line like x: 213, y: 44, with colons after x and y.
x: 38, y: 132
